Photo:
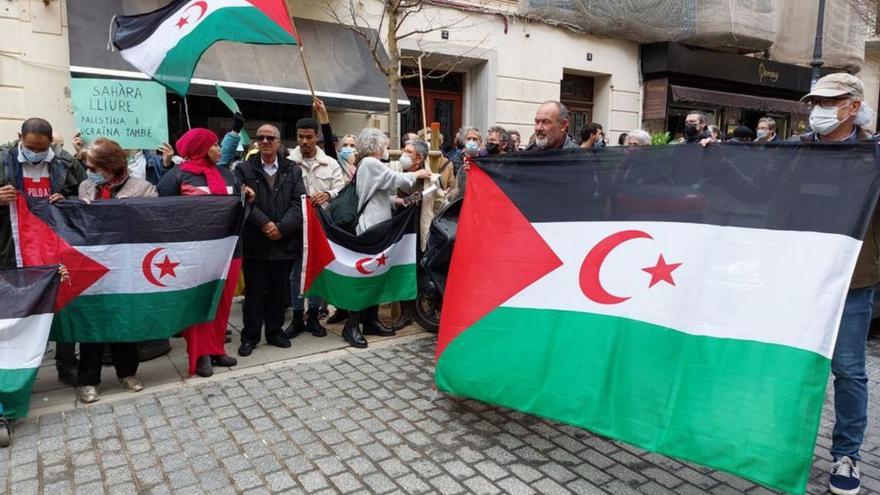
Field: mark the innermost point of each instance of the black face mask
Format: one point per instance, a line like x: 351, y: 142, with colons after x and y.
x: 690, y: 130
x: 493, y: 148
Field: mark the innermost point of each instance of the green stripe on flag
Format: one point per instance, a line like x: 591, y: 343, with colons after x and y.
x: 15, y: 391
x: 739, y: 406
x: 135, y: 317
x: 356, y: 293
x: 179, y: 63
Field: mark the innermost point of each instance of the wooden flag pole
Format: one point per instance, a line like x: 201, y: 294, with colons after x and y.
x: 422, y: 93
x: 302, y: 55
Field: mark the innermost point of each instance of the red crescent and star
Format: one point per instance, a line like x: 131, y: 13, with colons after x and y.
x: 590, y: 284
x: 380, y: 260
x: 184, y: 20
x: 166, y: 267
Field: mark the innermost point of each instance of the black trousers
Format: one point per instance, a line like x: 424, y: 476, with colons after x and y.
x: 65, y: 355
x: 125, y: 360
x: 266, y: 286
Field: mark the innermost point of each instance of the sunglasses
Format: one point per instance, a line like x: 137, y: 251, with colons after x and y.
x: 270, y: 139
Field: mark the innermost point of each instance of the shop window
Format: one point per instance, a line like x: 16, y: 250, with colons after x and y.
x: 576, y: 93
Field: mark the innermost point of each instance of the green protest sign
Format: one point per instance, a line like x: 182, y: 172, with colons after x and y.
x: 132, y: 113
x: 232, y: 105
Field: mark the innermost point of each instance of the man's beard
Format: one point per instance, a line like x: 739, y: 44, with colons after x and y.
x: 541, y: 142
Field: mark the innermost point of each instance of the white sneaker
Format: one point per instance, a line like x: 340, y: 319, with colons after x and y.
x: 88, y: 394
x: 844, y: 478
x: 131, y: 383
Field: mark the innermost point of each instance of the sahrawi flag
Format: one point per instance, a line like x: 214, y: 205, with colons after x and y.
x: 25, y: 319
x: 140, y: 269
x: 166, y: 44
x: 682, y: 299
x: 356, y: 272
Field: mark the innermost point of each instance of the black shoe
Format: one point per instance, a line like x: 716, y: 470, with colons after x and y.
x: 223, y: 360
x: 67, y: 375
x: 278, y: 341
x: 338, y: 316
x: 314, y: 326
x: 296, y: 326
x: 376, y: 328
x: 246, y: 348
x: 204, y: 367
x: 352, y: 334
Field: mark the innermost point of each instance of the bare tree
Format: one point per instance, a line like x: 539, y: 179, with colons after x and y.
x: 385, y: 31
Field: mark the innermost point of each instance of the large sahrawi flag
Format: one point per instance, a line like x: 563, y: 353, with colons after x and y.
x: 25, y: 319
x: 681, y: 299
x: 140, y: 269
x: 166, y: 44
x: 356, y: 272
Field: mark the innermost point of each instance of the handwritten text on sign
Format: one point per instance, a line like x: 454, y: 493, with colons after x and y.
x: 132, y: 113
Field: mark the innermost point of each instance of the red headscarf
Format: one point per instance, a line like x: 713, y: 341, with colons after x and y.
x: 194, y: 146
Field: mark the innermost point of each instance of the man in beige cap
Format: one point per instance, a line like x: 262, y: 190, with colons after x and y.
x: 836, y: 114
x: 835, y: 107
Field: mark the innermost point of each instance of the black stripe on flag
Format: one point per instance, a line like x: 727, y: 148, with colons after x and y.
x: 829, y: 188
x: 142, y: 220
x: 377, y: 238
x: 28, y: 291
x: 132, y: 30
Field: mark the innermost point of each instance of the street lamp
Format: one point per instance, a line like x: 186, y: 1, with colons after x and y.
x: 816, y: 63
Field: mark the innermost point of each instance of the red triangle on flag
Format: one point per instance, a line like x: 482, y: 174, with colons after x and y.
x: 498, y: 253
x: 39, y: 245
x: 319, y: 254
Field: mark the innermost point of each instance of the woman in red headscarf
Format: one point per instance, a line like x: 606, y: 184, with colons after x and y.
x: 199, y: 175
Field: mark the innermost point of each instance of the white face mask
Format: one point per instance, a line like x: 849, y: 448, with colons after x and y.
x: 405, y: 162
x: 824, y: 120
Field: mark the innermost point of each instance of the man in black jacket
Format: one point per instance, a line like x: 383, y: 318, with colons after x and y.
x: 271, y: 238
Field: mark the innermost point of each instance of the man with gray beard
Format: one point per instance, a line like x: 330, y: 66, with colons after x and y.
x: 551, y: 128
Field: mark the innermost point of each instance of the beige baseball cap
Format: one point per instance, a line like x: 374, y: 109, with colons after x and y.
x: 836, y: 85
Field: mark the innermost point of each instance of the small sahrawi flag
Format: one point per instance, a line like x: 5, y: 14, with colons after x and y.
x: 166, y: 44
x: 682, y: 299
x: 356, y: 272
x: 26, y: 299
x: 140, y: 269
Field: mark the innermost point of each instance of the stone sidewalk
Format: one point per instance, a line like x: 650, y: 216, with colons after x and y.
x: 358, y: 422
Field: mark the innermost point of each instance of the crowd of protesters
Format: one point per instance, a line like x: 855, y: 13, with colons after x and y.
x: 270, y: 250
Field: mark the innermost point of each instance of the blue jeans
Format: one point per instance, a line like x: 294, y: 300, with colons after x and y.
x: 296, y: 300
x: 850, y: 376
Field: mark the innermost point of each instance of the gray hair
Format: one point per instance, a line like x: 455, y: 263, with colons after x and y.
x: 274, y: 129
x: 563, y: 110
x: 371, y: 141
x: 503, y: 133
x: 771, y: 124
x: 462, y: 133
x: 420, y: 146
x: 704, y: 119
x: 641, y: 136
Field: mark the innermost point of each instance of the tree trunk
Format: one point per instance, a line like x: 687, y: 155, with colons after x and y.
x: 392, y: 74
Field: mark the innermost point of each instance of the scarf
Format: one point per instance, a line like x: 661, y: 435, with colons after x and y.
x: 106, y: 189
x: 194, y: 146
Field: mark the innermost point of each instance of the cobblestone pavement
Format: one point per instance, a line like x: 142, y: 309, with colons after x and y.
x: 362, y: 423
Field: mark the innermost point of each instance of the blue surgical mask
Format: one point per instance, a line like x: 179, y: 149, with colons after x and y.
x: 344, y: 153
x: 95, y: 178
x: 34, y: 157
x: 472, y: 148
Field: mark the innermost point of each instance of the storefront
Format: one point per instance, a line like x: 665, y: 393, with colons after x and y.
x: 732, y: 89
x: 267, y: 81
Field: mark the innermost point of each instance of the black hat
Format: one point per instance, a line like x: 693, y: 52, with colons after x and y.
x: 743, y: 133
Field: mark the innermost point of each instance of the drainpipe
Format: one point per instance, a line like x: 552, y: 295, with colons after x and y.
x: 817, y: 63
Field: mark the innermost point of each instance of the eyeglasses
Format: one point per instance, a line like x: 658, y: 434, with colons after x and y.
x: 828, y: 104
x: 270, y: 139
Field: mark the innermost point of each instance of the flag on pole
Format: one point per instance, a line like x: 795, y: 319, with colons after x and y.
x: 681, y: 299
x: 356, y: 272
x: 140, y: 269
x: 25, y: 319
x: 166, y: 44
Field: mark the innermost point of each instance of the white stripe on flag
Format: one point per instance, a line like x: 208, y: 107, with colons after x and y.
x: 199, y: 262
x: 148, y: 55
x: 779, y: 287
x: 23, y: 341
x: 403, y: 252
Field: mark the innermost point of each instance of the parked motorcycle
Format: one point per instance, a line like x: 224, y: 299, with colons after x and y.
x: 433, y: 268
